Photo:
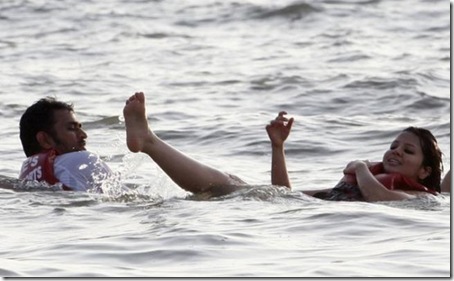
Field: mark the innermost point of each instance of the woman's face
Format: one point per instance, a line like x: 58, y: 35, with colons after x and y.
x: 405, y: 157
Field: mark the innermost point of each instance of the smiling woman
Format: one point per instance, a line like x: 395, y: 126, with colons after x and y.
x: 411, y: 167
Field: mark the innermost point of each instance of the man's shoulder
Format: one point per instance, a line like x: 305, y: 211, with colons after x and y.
x: 77, y: 156
x: 77, y: 159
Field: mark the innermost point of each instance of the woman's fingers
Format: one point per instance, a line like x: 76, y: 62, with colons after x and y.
x: 281, y: 113
x: 282, y: 122
x: 280, y: 116
x: 290, y: 123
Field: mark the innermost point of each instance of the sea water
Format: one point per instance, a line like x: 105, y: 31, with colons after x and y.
x: 352, y: 73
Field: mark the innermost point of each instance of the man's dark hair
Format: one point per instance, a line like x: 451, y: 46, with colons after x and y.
x: 39, y: 117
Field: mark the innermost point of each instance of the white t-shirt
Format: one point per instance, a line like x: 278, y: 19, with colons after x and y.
x: 81, y: 170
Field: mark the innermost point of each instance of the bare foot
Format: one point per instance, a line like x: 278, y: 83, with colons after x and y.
x: 137, y: 131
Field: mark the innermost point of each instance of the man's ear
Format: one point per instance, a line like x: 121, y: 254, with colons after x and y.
x: 45, y: 140
x: 424, y: 172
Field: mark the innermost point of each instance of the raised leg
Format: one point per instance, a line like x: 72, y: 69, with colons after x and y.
x: 186, y: 172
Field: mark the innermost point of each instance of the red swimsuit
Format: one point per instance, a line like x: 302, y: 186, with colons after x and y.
x: 393, y: 181
x: 348, y: 190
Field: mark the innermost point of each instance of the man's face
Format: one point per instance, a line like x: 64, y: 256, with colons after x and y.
x: 67, y: 134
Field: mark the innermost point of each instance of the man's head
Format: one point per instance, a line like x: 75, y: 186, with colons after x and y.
x: 51, y: 124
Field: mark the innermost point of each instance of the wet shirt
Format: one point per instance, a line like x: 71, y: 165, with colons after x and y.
x: 81, y: 170
x: 77, y: 171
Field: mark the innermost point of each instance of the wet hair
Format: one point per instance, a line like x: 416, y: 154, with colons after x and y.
x: 432, y: 156
x: 39, y: 117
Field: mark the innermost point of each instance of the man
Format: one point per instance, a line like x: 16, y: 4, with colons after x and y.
x: 54, y: 142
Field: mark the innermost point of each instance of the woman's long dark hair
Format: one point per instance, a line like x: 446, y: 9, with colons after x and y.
x: 432, y: 156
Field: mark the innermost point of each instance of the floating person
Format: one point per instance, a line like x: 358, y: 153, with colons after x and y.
x: 54, y: 143
x: 410, y: 168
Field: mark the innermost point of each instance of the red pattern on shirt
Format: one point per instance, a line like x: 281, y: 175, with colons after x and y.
x: 40, y: 167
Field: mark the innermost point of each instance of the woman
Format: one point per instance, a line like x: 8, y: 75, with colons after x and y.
x: 410, y: 168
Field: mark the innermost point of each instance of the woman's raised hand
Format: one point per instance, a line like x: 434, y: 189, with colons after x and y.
x: 279, y: 129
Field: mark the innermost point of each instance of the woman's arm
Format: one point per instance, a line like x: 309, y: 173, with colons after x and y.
x: 279, y: 174
x: 372, y: 189
x: 350, y: 168
x: 278, y: 131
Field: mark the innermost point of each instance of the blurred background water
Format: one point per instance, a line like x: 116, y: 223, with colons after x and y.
x: 352, y: 73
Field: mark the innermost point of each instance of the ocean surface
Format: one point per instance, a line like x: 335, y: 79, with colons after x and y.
x: 352, y: 73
